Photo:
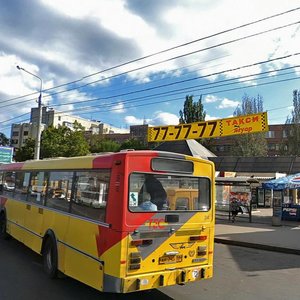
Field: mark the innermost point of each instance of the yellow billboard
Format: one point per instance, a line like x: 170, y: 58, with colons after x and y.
x: 210, y: 129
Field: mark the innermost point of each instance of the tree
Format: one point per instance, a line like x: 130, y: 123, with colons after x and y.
x: 251, y: 144
x: 133, y: 143
x: 192, y: 111
x: 4, y: 141
x: 26, y: 152
x: 63, y: 141
x: 105, y: 145
x: 293, y: 132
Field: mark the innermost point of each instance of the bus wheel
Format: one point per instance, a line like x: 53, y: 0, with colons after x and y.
x: 50, y: 258
x: 3, y: 234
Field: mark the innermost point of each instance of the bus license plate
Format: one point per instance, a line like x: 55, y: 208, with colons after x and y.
x: 170, y: 259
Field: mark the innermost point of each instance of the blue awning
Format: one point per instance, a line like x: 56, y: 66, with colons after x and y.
x: 287, y: 182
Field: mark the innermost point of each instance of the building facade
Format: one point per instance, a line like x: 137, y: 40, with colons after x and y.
x: 276, y: 139
x: 21, y: 132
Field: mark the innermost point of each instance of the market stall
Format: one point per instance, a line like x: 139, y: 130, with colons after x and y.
x: 286, y: 196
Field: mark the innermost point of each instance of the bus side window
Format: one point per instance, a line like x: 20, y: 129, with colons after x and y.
x: 22, y: 183
x: 9, y: 183
x: 59, y: 190
x: 91, y: 193
x: 37, y: 188
x: 1, y: 183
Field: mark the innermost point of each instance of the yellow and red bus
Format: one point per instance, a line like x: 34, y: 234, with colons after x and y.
x: 107, y: 221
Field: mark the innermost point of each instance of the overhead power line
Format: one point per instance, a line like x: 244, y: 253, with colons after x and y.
x: 180, y: 98
x: 160, y: 52
x: 183, y: 81
x: 187, y: 89
x: 173, y: 58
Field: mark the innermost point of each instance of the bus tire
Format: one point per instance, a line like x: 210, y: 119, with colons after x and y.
x: 50, y: 258
x: 3, y: 234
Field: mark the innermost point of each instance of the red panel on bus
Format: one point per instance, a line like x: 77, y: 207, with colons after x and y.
x: 14, y: 166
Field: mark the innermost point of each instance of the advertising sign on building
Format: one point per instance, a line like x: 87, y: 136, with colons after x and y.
x: 214, y: 128
x: 6, y: 154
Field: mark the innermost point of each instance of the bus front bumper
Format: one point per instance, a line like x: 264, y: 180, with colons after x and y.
x: 169, y: 277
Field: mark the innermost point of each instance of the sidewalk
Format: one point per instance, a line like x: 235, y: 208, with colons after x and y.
x: 260, y: 233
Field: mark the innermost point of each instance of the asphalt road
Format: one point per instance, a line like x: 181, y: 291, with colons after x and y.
x: 240, y: 273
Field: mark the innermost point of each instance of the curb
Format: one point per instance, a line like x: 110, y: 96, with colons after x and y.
x: 258, y: 246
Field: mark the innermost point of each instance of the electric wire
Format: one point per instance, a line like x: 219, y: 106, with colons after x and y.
x: 162, y: 51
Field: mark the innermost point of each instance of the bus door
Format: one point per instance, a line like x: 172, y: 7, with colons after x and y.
x: 34, y: 210
x: 89, y: 208
x: 167, y: 237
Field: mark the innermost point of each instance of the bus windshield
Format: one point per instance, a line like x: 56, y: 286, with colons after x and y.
x: 166, y: 192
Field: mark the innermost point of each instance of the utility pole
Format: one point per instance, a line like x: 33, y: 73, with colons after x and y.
x: 39, y: 122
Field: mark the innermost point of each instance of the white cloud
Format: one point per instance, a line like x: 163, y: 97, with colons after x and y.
x: 208, y: 118
x: 132, y: 120
x: 223, y: 102
x: 118, y: 108
x: 211, y: 99
x: 87, y: 37
x: 159, y: 118
x: 164, y: 118
x: 226, y: 103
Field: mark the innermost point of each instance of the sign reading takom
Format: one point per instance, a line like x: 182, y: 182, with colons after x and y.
x: 214, y: 128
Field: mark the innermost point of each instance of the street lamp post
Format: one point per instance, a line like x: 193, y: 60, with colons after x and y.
x: 39, y: 123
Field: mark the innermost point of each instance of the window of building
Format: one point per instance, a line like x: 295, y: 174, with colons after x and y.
x: 25, y: 133
x: 270, y: 134
x: 15, y: 133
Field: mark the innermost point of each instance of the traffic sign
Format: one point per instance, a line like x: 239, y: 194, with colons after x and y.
x: 6, y: 154
x: 209, y: 129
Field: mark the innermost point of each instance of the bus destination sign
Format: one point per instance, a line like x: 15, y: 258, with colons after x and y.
x: 210, y: 129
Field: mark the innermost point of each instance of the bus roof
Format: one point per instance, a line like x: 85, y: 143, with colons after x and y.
x: 90, y: 161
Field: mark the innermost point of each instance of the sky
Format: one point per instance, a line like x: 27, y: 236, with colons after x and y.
x: 129, y: 62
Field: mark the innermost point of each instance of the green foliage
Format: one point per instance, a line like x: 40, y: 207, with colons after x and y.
x: 192, y: 111
x: 249, y: 105
x: 106, y: 145
x: 133, y: 143
x: 26, y: 152
x: 98, y: 144
x: 4, y: 141
x: 63, y: 141
x: 293, y: 134
x: 251, y: 144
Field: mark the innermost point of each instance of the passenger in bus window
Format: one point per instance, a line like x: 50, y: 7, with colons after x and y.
x: 147, y: 204
x: 158, y: 194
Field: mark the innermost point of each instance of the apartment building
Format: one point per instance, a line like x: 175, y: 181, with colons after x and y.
x: 21, y: 132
